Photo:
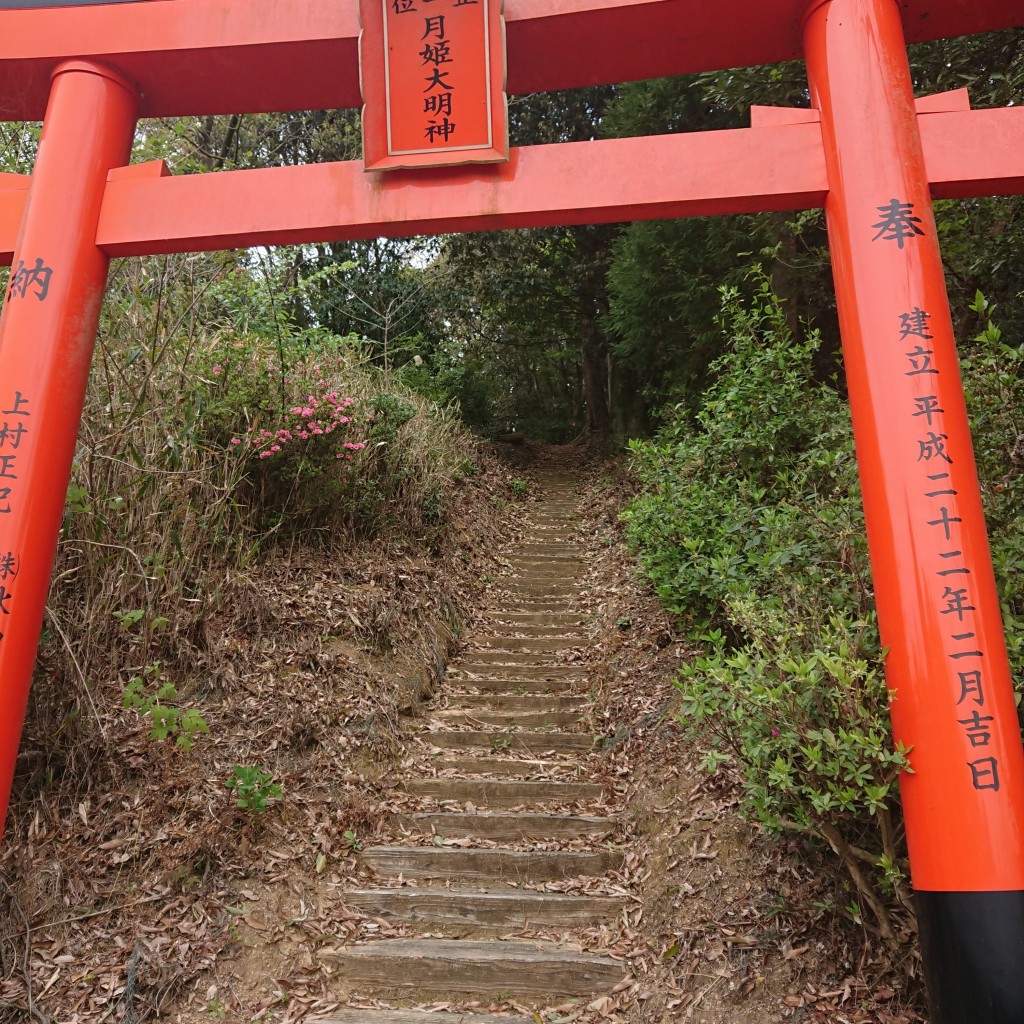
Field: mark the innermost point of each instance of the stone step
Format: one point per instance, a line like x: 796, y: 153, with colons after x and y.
x: 374, y: 1016
x: 516, y: 970
x: 543, y: 581
x: 551, y: 551
x: 458, y: 687
x: 504, y: 792
x: 523, y: 644
x: 470, y: 669
x: 534, y: 631
x: 541, y: 588
x: 513, y: 603
x: 539, y: 618
x: 505, y: 720
x: 455, y: 865
x: 490, y: 658
x: 497, y: 703
x: 510, y: 743
x: 547, y: 563
x: 509, y: 767
x: 506, y: 827
x: 459, y: 911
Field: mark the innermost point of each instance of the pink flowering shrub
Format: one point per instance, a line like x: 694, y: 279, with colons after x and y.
x: 303, y: 424
x: 328, y: 442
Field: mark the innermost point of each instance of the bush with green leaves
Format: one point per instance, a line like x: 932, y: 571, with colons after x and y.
x: 750, y: 526
x: 253, y: 787
x: 993, y: 372
x: 156, y: 699
x: 330, y: 441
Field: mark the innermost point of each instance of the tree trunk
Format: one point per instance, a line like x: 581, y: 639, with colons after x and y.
x: 594, y: 393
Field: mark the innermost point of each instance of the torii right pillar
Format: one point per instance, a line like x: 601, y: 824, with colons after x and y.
x: 938, y: 610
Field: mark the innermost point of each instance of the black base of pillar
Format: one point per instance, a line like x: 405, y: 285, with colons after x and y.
x: 972, y: 944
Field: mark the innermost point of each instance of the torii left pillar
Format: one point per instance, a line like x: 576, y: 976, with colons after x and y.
x: 47, y: 335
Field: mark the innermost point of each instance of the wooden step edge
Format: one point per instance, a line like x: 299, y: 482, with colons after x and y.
x: 474, y: 910
x: 378, y: 1016
x: 522, y: 970
x: 509, y: 826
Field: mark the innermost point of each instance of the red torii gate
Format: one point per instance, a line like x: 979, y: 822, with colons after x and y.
x: 865, y: 152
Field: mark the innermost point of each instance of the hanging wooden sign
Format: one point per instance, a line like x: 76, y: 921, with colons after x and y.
x: 433, y: 81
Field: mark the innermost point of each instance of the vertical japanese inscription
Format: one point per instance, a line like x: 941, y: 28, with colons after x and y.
x: 933, y: 453
x: 15, y: 426
x: 447, y: 44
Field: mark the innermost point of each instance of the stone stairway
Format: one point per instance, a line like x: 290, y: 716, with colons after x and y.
x: 506, y: 830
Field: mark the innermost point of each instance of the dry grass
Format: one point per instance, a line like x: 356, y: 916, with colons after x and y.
x: 298, y: 632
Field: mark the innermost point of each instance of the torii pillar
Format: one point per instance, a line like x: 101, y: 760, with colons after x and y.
x: 935, y: 591
x: 48, y: 329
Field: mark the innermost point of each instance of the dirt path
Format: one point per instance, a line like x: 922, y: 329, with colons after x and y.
x: 506, y: 835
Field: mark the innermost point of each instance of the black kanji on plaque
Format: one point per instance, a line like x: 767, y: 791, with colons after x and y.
x: 403, y: 6
x: 443, y: 131
x: 8, y: 566
x: 10, y: 437
x: 434, y: 26
x: 35, y: 278
x: 978, y: 728
x: 437, y: 78
x: 928, y: 407
x: 898, y: 223
x: 936, y: 477
x: 933, y: 447
x: 970, y: 686
x: 921, y: 361
x: 19, y: 406
x: 439, y: 103
x: 962, y: 638
x: 956, y: 603
x: 945, y: 520
x: 985, y: 773
x: 915, y: 324
x: 437, y: 53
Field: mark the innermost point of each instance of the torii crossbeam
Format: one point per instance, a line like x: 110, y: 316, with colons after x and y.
x: 865, y: 152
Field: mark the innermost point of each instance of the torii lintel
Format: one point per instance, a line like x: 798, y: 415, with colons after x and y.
x: 240, y: 56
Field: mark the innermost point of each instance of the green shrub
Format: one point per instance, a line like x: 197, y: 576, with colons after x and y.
x: 749, y: 524
x: 253, y: 787
x: 158, y: 703
x: 750, y: 527
x: 329, y: 441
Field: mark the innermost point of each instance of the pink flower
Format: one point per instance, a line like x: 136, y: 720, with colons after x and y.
x: 236, y: 440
